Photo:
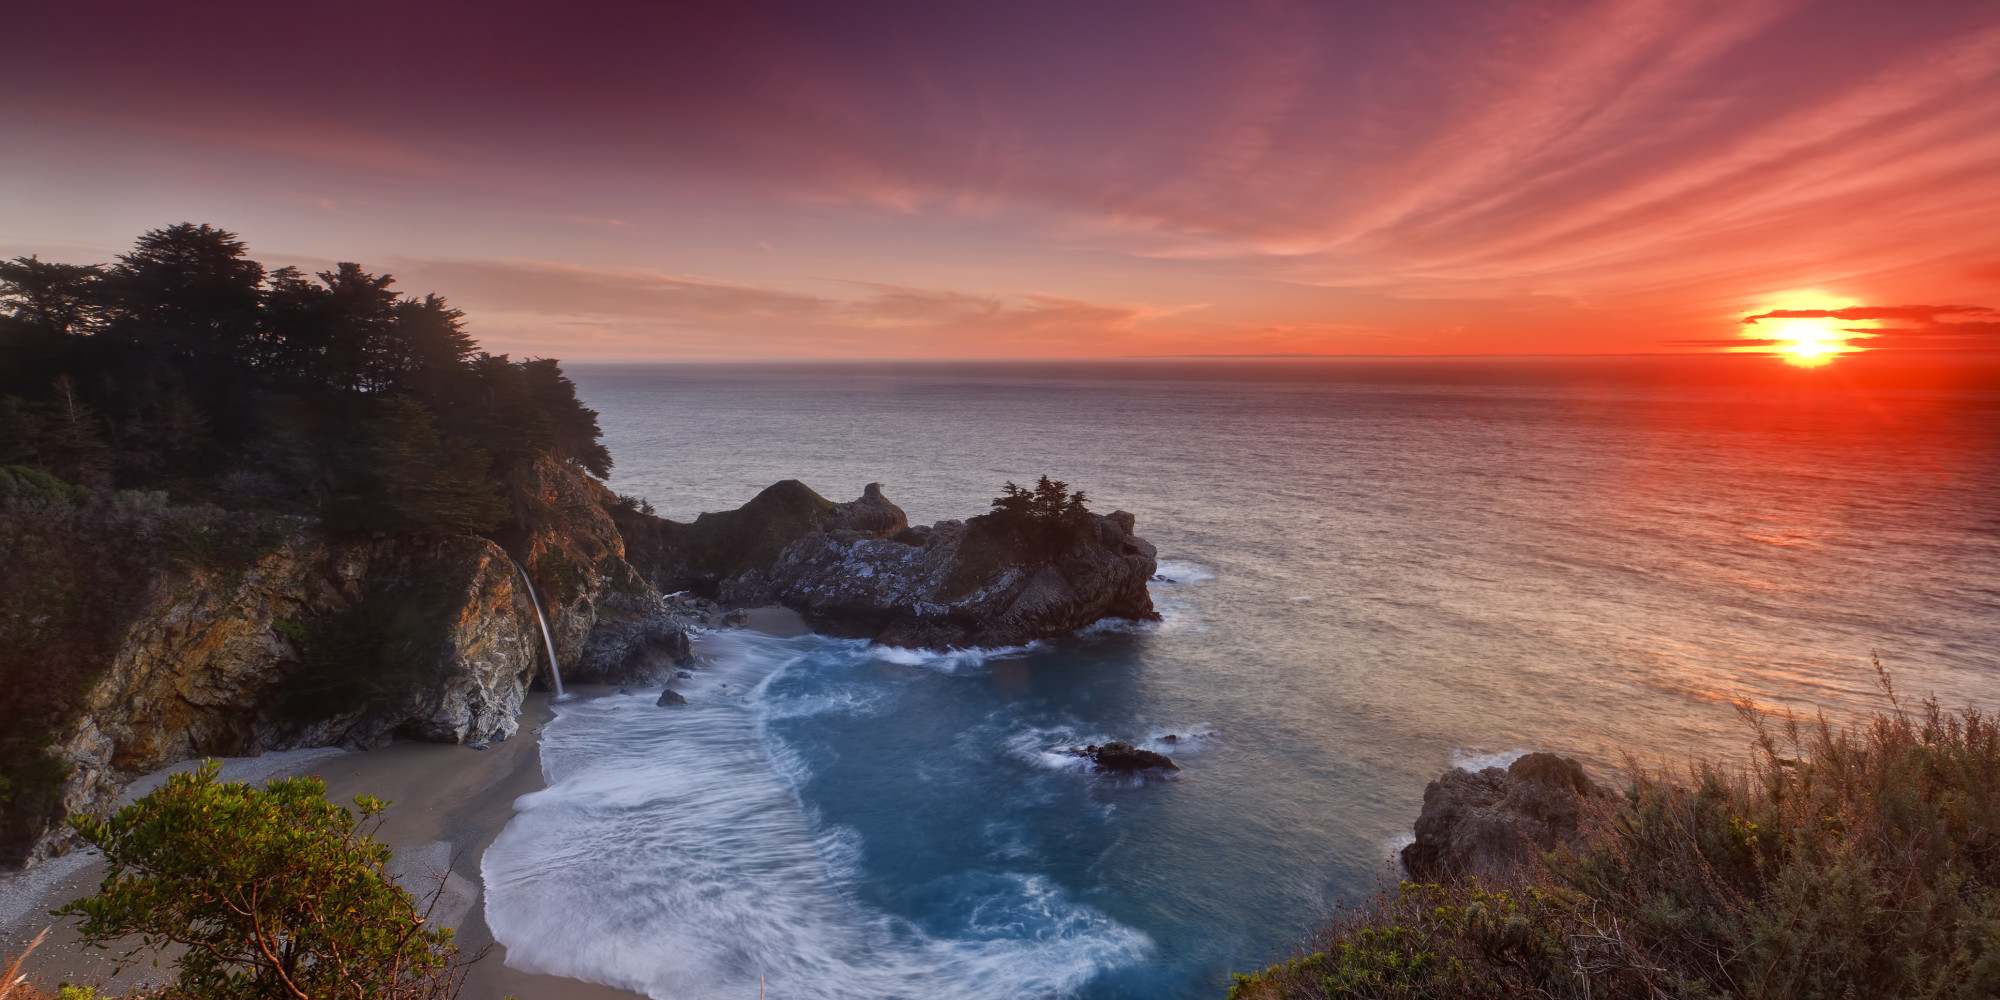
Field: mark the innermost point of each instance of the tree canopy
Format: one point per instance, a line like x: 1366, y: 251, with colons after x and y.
x: 188, y: 366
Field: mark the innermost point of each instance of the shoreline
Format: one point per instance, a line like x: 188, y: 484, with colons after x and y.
x: 448, y: 802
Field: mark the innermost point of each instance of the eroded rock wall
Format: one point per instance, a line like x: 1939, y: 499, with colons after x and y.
x: 218, y: 663
x: 353, y: 644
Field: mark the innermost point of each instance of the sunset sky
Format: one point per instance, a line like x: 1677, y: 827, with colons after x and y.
x: 604, y: 181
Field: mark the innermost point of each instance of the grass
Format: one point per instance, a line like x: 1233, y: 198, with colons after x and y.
x: 1840, y: 863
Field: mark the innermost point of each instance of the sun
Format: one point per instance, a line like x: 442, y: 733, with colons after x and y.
x: 1805, y: 341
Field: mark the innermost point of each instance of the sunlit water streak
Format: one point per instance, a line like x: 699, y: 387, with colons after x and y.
x: 1372, y: 580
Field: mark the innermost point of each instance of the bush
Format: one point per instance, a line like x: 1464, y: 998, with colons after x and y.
x: 1839, y: 863
x: 1049, y: 503
x: 273, y: 893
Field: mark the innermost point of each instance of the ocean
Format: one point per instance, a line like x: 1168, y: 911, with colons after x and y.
x: 1372, y: 571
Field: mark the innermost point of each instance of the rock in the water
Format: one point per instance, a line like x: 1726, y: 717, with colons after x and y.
x: 984, y: 582
x: 1491, y: 820
x: 737, y: 618
x: 1124, y: 758
x: 671, y: 697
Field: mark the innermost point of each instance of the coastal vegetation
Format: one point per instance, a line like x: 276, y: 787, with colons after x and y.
x: 263, y: 893
x: 186, y: 409
x: 1839, y: 863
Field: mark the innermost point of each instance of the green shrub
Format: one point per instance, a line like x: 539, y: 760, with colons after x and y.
x: 1839, y: 863
x: 272, y: 893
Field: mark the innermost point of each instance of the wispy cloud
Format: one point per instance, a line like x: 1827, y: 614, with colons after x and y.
x: 1949, y: 326
x: 652, y: 314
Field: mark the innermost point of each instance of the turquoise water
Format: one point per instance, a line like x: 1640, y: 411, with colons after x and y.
x: 1379, y: 571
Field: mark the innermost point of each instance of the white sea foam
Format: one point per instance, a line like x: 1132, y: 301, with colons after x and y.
x: 1394, y: 846
x: 949, y: 661
x: 670, y: 855
x: 1187, y: 740
x: 1473, y: 760
x: 1108, y: 625
x: 1180, y: 573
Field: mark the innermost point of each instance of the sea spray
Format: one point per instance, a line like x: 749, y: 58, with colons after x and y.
x: 672, y: 854
x: 555, y: 669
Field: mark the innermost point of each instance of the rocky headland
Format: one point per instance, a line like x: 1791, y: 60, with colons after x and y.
x: 1488, y: 821
x: 316, y: 642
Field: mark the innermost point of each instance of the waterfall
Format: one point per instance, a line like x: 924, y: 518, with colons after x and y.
x: 554, y: 669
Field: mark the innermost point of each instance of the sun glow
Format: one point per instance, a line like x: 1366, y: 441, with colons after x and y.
x: 1805, y: 341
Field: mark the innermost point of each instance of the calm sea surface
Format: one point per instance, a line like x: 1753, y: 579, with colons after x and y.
x: 1379, y: 571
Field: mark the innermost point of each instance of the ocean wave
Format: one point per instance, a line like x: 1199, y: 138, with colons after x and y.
x: 1104, y: 626
x: 948, y: 661
x: 1180, y: 573
x: 1473, y: 760
x: 670, y: 855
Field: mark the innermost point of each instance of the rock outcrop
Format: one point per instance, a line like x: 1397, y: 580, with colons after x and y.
x: 860, y: 569
x: 1124, y: 758
x: 321, y: 643
x: 866, y: 573
x: 697, y: 557
x: 315, y: 645
x: 1491, y: 820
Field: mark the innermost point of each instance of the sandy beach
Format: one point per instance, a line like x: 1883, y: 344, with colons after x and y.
x: 448, y: 803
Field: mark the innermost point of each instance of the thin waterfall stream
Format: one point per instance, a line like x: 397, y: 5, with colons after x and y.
x: 555, y: 670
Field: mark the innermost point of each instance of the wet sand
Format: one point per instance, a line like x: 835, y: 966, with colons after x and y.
x: 448, y: 804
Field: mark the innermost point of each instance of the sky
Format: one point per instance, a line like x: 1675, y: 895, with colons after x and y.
x: 600, y: 181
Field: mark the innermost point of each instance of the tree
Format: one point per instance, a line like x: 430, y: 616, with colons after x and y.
x: 573, y: 425
x: 1049, y: 504
x: 53, y: 297
x: 188, y: 289
x: 274, y: 893
x: 1014, y: 504
x: 417, y: 484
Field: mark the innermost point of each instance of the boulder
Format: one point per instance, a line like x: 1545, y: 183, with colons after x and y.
x: 1489, y: 821
x: 1124, y: 758
x: 671, y: 697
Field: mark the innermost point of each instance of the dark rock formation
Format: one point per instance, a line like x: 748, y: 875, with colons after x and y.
x: 639, y: 647
x: 860, y: 569
x: 977, y: 583
x: 1124, y: 758
x: 698, y: 557
x: 872, y: 516
x: 1491, y: 820
x: 671, y: 697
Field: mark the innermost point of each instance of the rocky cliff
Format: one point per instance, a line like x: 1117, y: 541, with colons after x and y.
x: 1486, y: 821
x: 315, y: 643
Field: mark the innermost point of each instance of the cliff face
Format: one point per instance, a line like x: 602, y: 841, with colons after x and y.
x: 314, y: 645
x: 320, y: 643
